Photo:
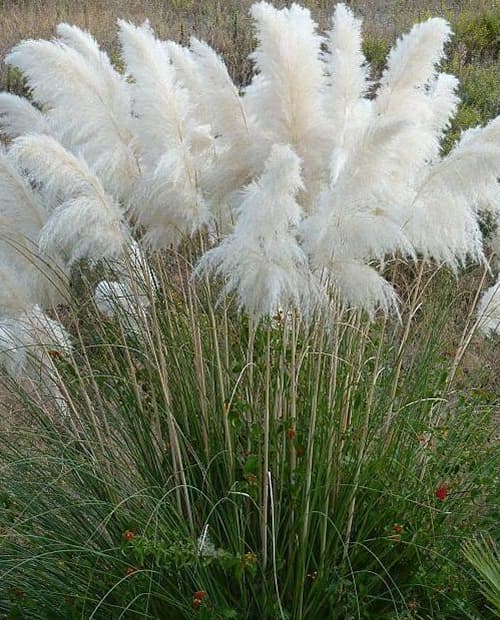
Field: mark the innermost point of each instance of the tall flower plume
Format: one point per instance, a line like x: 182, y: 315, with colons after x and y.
x: 175, y: 146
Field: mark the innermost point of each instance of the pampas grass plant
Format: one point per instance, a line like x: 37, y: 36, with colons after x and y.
x: 216, y: 317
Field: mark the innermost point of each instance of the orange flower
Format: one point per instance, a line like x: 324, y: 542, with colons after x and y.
x: 130, y: 570
x: 249, y: 558
x: 128, y: 535
x: 397, y: 528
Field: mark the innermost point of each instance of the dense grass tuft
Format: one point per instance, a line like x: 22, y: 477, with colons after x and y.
x: 287, y: 471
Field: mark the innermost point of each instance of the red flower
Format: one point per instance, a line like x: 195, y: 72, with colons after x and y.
x: 291, y: 433
x: 198, y: 598
x: 397, y: 528
x: 442, y: 492
x: 128, y: 535
x: 130, y: 570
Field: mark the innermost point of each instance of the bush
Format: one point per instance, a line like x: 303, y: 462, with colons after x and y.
x: 479, y: 33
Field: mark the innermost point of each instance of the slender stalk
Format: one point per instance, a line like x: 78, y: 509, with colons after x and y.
x: 395, y: 382
x: 200, y: 370
x: 318, y: 336
x: 293, y: 392
x: 331, y: 399
x: 265, y: 464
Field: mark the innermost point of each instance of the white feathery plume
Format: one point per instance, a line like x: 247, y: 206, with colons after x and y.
x: 388, y: 150
x: 132, y: 288
x: 240, y: 146
x: 203, y: 100
x: 162, y: 106
x: 29, y: 336
x: 63, y: 81
x: 118, y: 299
x: 19, y: 204
x: 444, y: 101
x: 488, y: 311
x: 261, y: 260
x: 84, y: 43
x: 411, y: 65
x: 342, y: 236
x: 358, y: 230
x: 128, y: 296
x: 360, y: 286
x: 357, y: 218
x: 218, y: 93
x: 86, y: 223
x: 443, y: 220
x: 346, y: 109
x: 403, y: 95
x: 22, y: 217
x: 388, y: 161
x: 18, y: 116
x: 188, y: 75
x: 27, y: 275
x: 29, y: 342
x: 285, y: 95
x: 168, y: 202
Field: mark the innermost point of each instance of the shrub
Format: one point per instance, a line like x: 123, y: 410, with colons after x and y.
x: 479, y: 32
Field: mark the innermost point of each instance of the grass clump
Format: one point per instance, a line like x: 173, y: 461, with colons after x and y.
x: 213, y: 468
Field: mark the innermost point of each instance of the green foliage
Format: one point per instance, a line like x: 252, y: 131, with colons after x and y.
x: 15, y: 81
x: 480, y: 97
x: 375, y: 49
x: 478, y: 32
x: 484, y: 556
x: 152, y: 499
